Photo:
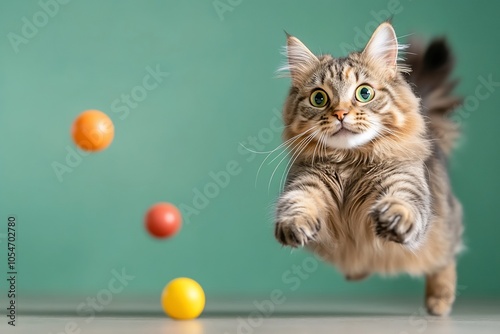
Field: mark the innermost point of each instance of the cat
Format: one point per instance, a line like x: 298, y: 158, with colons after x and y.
x: 370, y: 136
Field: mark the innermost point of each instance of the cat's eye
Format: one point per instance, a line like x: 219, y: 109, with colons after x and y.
x: 364, y: 93
x: 318, y: 98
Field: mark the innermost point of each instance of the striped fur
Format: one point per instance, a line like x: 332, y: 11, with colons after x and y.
x: 369, y: 192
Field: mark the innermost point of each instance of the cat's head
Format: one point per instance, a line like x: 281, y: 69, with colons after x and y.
x: 360, y: 103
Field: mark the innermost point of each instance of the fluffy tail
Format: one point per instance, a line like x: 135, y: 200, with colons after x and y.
x: 431, y: 69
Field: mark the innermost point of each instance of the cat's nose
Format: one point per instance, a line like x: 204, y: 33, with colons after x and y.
x: 340, y: 113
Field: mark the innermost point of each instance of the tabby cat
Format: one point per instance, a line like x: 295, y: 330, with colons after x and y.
x: 370, y: 137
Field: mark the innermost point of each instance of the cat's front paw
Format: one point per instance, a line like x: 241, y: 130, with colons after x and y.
x: 394, y: 220
x: 296, y: 230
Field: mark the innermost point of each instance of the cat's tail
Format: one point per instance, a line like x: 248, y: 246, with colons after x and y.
x: 431, y: 66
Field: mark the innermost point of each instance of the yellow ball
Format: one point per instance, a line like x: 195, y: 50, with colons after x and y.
x: 183, y: 298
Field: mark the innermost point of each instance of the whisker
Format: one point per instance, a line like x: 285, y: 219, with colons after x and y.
x: 314, y: 127
x: 275, y: 169
x: 291, y: 151
x: 289, y: 141
x: 287, y: 169
x: 324, y: 146
x: 315, y: 148
x: 284, y: 157
x: 258, y: 152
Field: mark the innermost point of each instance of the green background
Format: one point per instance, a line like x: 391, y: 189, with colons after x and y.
x: 221, y: 89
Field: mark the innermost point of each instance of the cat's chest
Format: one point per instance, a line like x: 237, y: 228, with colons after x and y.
x: 351, y: 185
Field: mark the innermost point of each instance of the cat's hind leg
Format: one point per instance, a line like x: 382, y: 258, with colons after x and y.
x: 440, y: 290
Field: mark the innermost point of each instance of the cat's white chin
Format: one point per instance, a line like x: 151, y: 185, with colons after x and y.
x: 345, y: 139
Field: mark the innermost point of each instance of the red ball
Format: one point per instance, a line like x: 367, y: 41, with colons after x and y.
x: 163, y: 220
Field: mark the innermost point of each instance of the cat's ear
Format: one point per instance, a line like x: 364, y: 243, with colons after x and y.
x: 300, y: 59
x: 382, y: 48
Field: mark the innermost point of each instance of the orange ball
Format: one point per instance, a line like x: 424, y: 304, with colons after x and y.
x: 93, y: 131
x: 163, y: 220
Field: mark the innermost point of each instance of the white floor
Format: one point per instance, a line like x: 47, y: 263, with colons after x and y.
x: 386, y: 317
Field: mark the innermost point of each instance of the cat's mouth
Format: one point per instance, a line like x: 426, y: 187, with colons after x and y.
x: 343, y: 130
